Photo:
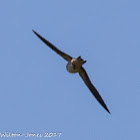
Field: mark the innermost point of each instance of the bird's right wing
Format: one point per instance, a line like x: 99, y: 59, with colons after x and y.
x: 96, y: 94
x: 64, y: 55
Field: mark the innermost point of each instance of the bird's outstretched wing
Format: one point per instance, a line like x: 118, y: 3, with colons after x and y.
x: 87, y: 81
x: 64, y: 55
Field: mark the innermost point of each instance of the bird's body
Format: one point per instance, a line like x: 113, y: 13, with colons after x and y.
x: 71, y: 67
x: 74, y: 65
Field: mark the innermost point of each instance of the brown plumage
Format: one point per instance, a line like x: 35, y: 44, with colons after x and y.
x: 75, y: 65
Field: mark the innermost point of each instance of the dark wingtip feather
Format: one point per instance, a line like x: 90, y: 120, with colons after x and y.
x: 107, y: 110
x: 34, y: 32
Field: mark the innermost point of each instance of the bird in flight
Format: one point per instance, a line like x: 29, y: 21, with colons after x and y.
x: 74, y: 65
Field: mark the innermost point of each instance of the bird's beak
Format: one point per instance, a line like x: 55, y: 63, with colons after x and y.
x: 84, y: 62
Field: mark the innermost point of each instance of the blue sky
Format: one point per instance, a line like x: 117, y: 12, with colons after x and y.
x: 37, y: 93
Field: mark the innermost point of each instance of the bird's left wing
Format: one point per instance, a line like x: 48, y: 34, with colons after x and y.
x: 64, y: 55
x: 96, y: 94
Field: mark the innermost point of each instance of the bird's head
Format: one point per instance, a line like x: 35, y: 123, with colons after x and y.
x: 81, y: 60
